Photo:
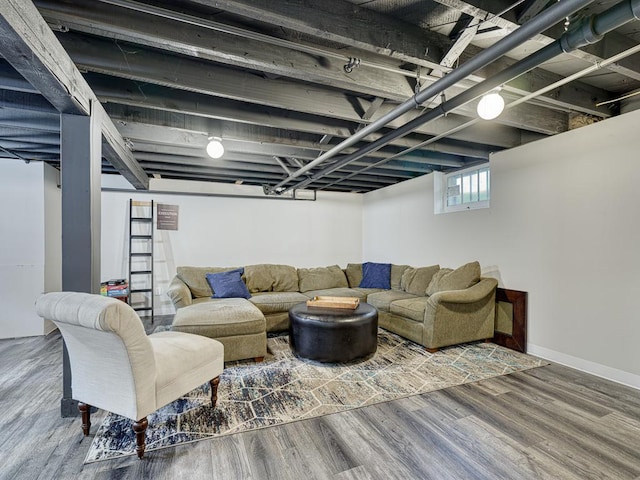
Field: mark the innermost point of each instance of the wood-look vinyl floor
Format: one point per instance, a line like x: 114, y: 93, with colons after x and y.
x: 550, y: 423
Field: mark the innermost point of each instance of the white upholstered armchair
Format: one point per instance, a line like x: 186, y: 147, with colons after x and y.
x: 117, y: 367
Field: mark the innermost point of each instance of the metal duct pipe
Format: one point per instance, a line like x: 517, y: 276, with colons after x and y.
x: 526, y: 98
x: 538, y: 24
x: 591, y: 30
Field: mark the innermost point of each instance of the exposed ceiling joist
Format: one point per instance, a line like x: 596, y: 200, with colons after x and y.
x: 283, y: 83
x: 187, y: 74
x: 164, y: 34
x: 32, y: 49
x: 468, y: 31
x: 343, y: 23
x: 129, y: 103
x: 592, y: 54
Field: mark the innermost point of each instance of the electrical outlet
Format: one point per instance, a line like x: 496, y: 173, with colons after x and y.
x: 158, y: 290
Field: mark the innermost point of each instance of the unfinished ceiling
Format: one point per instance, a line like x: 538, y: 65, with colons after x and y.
x: 284, y: 83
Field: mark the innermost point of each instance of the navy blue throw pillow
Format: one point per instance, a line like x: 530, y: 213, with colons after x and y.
x: 228, y: 284
x: 376, y: 275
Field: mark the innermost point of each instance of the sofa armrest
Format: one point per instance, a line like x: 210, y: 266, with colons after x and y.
x: 179, y: 293
x: 475, y: 293
x: 460, y: 316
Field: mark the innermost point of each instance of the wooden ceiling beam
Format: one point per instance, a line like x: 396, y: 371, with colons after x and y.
x: 33, y: 50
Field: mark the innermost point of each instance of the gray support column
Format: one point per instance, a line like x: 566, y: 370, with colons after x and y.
x: 81, y: 162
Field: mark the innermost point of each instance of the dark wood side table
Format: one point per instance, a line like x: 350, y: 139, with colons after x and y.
x: 511, y: 319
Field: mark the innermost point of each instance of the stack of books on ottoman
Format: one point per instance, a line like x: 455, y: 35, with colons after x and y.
x: 116, y: 287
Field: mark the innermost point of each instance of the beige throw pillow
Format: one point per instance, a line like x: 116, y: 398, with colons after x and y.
x: 458, y: 279
x: 396, y: 276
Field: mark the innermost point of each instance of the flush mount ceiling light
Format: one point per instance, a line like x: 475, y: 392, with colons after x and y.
x: 215, y: 149
x: 490, y: 105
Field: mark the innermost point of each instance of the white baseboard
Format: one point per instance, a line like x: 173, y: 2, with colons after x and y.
x: 613, y: 374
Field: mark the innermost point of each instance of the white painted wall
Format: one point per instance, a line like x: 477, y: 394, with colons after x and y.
x: 27, y: 194
x: 222, y: 231
x: 563, y: 226
x: 52, y: 235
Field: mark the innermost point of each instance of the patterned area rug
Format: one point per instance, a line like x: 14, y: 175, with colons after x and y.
x: 285, y: 388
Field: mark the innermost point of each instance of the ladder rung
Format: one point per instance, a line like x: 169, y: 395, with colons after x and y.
x: 141, y: 290
x: 148, y: 254
x: 141, y: 272
x: 141, y: 219
x: 146, y: 237
x: 139, y: 309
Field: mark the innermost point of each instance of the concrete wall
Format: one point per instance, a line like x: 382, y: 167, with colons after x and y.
x: 563, y: 226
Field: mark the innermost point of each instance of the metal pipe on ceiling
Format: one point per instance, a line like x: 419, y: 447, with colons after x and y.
x: 261, y: 37
x: 590, y: 31
x: 538, y: 24
x: 526, y: 98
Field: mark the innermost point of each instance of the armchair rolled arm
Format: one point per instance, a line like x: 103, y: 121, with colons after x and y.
x: 179, y: 293
x: 475, y: 293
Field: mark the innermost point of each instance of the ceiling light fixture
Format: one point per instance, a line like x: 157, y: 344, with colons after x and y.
x: 215, y: 149
x: 490, y: 105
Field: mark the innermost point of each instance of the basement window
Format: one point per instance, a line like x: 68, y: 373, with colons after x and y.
x: 462, y: 190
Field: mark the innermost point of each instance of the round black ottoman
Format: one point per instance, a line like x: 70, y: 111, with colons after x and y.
x: 333, y: 334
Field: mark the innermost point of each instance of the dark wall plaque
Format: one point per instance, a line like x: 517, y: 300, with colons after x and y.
x: 167, y: 217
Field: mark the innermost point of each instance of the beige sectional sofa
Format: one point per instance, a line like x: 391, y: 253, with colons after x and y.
x: 432, y: 306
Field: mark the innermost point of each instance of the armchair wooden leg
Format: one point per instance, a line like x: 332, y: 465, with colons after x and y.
x: 431, y: 350
x: 85, y: 410
x: 140, y: 427
x: 214, y: 390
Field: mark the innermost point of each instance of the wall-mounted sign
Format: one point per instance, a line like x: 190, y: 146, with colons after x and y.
x: 167, y: 217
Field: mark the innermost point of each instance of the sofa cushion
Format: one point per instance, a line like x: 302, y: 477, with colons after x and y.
x: 376, y: 275
x: 412, y: 308
x: 271, y: 278
x: 277, y: 302
x: 396, y: 275
x: 321, y: 277
x: 363, y: 293
x: 458, y: 279
x: 338, y: 292
x: 436, y: 279
x: 416, y: 280
x: 228, y: 284
x: 382, y: 300
x: 354, y: 274
x: 220, y: 318
x: 194, y: 278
